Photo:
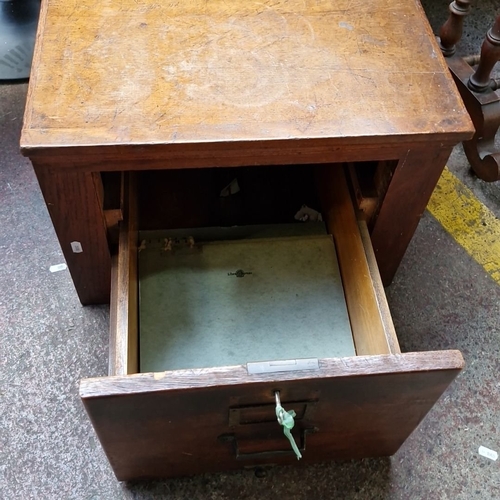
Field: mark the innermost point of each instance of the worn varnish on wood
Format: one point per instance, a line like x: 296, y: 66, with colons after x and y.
x: 158, y: 73
x: 177, y: 423
x: 160, y: 85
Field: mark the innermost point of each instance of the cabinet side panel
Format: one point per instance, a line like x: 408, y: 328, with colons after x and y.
x: 77, y: 214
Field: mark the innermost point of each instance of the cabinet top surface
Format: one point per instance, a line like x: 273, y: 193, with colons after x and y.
x: 114, y: 72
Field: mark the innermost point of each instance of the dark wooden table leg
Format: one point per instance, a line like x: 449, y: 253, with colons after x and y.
x: 76, y: 212
x: 451, y: 31
x: 414, y: 179
x: 484, y: 109
x: 478, y: 90
x: 481, y: 81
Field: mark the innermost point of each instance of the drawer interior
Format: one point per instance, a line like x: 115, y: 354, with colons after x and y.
x: 215, y: 269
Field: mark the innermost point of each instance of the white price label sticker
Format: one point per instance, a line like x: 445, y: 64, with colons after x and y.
x: 486, y: 452
x: 57, y: 267
x: 76, y: 246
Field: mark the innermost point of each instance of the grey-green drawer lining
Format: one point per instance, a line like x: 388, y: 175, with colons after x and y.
x: 195, y: 312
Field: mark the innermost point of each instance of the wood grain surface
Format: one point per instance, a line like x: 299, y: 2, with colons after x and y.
x: 124, y: 320
x: 125, y: 85
x: 378, y: 288
x: 76, y: 210
x: 165, y: 73
x: 167, y: 424
x: 409, y: 191
x: 368, y: 329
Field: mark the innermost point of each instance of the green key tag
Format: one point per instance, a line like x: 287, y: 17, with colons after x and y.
x: 285, y: 418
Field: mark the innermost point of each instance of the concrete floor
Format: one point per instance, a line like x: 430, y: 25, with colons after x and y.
x: 440, y: 299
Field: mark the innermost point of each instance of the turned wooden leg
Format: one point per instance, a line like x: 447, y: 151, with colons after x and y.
x: 480, y: 81
x: 409, y: 191
x: 479, y: 92
x: 451, y: 31
x: 77, y: 214
x: 484, y: 109
x: 477, y: 88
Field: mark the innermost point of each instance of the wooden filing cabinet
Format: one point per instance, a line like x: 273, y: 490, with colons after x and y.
x: 160, y: 87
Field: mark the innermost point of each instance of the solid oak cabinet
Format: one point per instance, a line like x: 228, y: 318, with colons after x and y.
x: 178, y: 99
x: 195, y: 419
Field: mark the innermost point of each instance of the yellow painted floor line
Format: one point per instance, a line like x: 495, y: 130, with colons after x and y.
x: 468, y: 221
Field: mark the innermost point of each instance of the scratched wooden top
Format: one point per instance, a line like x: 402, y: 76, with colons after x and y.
x: 110, y: 72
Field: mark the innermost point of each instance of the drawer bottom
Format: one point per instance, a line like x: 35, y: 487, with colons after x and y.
x: 245, y: 298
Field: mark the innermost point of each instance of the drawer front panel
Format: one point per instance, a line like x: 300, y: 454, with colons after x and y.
x: 184, y: 422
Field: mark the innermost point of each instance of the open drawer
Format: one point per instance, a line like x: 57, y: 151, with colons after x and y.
x: 192, y: 419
